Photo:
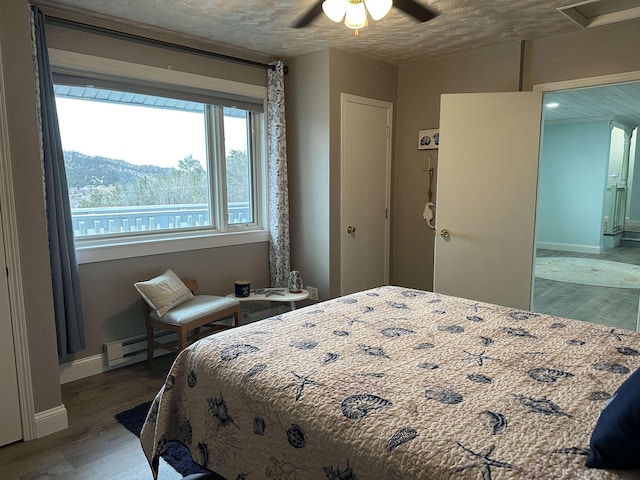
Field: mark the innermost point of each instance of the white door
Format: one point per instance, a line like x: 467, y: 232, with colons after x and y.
x: 10, y: 423
x: 365, y: 192
x: 486, y: 196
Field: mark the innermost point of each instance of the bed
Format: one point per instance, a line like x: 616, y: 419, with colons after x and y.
x: 394, y: 383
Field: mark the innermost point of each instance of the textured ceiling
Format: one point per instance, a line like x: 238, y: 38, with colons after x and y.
x: 264, y: 26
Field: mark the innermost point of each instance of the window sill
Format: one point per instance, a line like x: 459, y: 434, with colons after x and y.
x: 143, y: 248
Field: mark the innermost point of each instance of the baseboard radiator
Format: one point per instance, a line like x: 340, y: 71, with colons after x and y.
x: 133, y: 349
x: 119, y: 353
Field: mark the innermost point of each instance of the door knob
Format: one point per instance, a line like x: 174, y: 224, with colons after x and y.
x: 444, y: 233
x: 351, y: 229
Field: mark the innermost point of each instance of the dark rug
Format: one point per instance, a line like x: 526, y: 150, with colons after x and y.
x: 177, y: 455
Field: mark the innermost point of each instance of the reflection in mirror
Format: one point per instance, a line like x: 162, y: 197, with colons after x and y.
x: 587, y: 261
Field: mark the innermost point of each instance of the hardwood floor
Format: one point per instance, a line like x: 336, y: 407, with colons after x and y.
x: 95, y: 446
x: 616, y: 307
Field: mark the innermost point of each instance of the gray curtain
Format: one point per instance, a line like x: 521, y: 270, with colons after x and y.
x: 64, y: 266
x: 279, y: 254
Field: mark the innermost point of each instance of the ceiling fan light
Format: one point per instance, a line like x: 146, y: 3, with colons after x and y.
x: 356, y: 16
x: 334, y: 9
x: 378, y: 8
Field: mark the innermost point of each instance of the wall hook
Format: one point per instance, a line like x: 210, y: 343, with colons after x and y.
x: 429, y: 168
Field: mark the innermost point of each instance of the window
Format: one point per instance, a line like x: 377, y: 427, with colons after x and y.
x: 147, y: 161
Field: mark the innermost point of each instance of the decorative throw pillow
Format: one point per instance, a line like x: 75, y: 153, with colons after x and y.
x: 615, y: 441
x: 164, y: 292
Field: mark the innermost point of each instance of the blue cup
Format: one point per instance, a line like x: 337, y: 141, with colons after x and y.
x: 242, y: 288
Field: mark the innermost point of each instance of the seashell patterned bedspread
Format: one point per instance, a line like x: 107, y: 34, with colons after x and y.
x: 394, y: 383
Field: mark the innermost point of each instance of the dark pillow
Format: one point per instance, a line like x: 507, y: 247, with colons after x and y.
x: 615, y: 441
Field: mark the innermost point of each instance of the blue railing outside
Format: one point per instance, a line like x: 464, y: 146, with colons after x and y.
x: 105, y: 220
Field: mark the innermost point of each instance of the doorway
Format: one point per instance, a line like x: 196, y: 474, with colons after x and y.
x: 586, y: 259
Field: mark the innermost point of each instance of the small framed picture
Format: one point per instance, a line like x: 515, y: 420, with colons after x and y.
x: 428, y: 139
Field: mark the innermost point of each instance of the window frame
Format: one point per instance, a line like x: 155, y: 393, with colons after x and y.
x: 221, y: 232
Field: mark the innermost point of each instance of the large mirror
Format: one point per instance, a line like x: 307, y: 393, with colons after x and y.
x: 587, y: 259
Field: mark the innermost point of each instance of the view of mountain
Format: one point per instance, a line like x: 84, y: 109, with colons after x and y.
x: 96, y: 181
x: 82, y: 170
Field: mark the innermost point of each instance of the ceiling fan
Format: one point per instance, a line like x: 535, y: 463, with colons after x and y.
x: 354, y: 12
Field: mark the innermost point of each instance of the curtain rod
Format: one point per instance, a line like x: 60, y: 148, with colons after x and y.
x: 62, y: 22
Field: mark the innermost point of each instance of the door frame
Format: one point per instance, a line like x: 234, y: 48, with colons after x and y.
x: 344, y: 98
x: 600, y: 80
x: 14, y: 276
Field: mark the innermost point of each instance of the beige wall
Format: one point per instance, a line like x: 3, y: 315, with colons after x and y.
x: 307, y: 112
x: 492, y: 69
x: 587, y: 53
x: 103, y: 46
x: 113, y: 308
x: 24, y: 153
x: 314, y: 85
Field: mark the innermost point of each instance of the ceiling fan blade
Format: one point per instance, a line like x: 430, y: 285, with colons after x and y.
x: 416, y: 10
x: 310, y: 15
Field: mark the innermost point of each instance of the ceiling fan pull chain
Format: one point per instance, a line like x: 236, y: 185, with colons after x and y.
x: 356, y: 33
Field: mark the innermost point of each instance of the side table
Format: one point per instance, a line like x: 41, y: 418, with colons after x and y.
x: 273, y: 295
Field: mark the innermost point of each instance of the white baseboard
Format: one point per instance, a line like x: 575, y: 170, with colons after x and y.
x: 82, y: 368
x: 88, y: 366
x: 634, y: 224
x: 51, y: 421
x: 569, y: 247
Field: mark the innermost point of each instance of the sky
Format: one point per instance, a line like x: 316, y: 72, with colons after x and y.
x: 138, y: 135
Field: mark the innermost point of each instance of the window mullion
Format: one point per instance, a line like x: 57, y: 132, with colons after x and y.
x: 255, y: 132
x: 211, y: 165
x: 219, y: 178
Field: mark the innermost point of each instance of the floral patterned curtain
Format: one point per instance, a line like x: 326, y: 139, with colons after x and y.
x: 279, y: 254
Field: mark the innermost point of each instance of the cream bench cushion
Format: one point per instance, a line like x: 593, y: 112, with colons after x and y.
x: 200, y: 306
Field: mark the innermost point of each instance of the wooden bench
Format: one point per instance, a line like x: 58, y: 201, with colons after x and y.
x: 201, y: 311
